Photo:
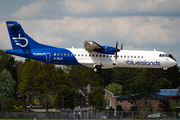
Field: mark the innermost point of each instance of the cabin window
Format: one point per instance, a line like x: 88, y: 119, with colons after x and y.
x: 138, y: 56
x: 54, y: 54
x: 103, y: 55
x: 121, y: 56
x: 96, y: 55
x: 128, y: 56
x: 78, y: 54
x: 61, y: 54
x: 74, y: 54
x: 86, y: 55
x: 89, y: 55
x: 134, y: 56
x: 64, y: 54
x: 71, y: 54
x: 118, y: 56
x: 68, y: 54
x: 82, y: 55
x: 99, y: 55
x: 124, y: 56
x: 141, y: 56
x: 107, y: 55
x: 93, y: 55
x: 131, y: 56
x: 58, y: 54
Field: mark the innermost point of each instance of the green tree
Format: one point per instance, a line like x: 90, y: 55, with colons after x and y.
x: 81, y: 76
x: 80, y: 100
x: 96, y: 99
x: 8, y: 62
x: 127, y: 77
x: 142, y: 95
x: 64, y: 98
x: 43, y: 78
x: 107, y: 76
x: 6, y: 84
x: 6, y: 87
x: 115, y: 88
x: 164, y: 83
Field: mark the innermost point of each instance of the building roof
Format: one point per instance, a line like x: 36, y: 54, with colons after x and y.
x: 169, y: 92
x: 154, y: 96
x: 84, y: 91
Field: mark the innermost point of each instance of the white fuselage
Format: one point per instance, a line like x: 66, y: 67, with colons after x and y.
x: 126, y: 58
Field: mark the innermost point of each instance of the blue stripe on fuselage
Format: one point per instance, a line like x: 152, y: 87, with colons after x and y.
x: 59, y: 56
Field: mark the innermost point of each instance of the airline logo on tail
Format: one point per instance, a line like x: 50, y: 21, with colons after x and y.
x: 21, y: 41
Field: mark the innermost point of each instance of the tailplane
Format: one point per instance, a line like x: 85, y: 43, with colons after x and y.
x: 19, y: 39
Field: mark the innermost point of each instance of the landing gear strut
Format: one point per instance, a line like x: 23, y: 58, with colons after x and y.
x: 97, y: 68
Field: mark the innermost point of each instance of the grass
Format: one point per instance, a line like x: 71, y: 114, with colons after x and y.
x: 84, y: 119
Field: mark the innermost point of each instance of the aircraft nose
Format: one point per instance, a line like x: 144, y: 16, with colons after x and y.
x: 173, y: 62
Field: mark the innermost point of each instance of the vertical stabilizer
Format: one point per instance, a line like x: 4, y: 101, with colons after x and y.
x: 19, y: 39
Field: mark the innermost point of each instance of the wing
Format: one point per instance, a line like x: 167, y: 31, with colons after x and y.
x: 92, y: 46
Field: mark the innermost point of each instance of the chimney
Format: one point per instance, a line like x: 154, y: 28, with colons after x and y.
x: 88, y: 89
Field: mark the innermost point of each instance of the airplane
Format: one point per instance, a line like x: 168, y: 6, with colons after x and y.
x: 92, y: 55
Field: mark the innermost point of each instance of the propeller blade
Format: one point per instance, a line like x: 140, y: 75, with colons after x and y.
x: 116, y: 50
x: 121, y: 45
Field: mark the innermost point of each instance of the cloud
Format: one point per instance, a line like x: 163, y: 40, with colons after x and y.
x: 31, y: 10
x: 121, y: 6
x: 130, y: 30
x: 4, y: 37
x: 96, y: 9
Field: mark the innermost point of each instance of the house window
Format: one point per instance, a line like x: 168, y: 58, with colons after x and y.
x: 129, y: 102
x: 107, y: 103
x: 160, y: 101
x: 121, y: 101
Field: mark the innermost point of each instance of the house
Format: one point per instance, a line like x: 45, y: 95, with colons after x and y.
x: 110, y: 97
x: 159, y: 102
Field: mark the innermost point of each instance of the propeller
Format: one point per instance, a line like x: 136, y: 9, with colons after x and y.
x: 117, y: 50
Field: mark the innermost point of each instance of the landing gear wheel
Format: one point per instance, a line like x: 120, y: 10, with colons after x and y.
x: 97, y: 69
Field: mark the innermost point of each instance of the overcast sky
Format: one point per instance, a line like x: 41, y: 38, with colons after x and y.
x: 139, y: 24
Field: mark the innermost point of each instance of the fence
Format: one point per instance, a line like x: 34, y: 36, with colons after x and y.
x: 82, y: 114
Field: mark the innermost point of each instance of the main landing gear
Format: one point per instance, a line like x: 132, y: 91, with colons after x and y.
x: 97, y: 68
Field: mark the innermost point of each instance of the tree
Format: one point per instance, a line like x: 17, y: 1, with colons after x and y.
x: 142, y: 95
x: 107, y: 76
x: 64, y: 98
x: 43, y: 78
x: 115, y: 88
x: 164, y: 83
x: 6, y: 87
x: 8, y: 62
x: 127, y: 77
x: 96, y: 99
x: 6, y: 84
x: 25, y: 97
x: 81, y: 76
x: 80, y: 100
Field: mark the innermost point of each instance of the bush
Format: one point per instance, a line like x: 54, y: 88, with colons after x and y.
x: 119, y: 108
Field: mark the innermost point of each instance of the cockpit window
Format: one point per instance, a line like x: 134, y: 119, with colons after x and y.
x: 163, y: 55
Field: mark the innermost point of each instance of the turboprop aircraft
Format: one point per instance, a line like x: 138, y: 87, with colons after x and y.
x: 93, y: 55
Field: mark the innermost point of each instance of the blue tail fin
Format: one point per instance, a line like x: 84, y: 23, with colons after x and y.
x: 19, y: 39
